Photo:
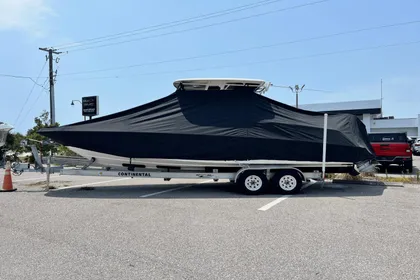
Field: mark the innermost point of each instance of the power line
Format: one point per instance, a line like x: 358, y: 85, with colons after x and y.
x: 32, y: 89
x: 279, y: 86
x: 258, y: 62
x: 35, y: 102
x: 306, y: 89
x: 15, y: 76
x: 203, y: 26
x: 318, y: 90
x: 298, y: 89
x: 246, y: 49
x: 169, y: 24
x: 21, y: 77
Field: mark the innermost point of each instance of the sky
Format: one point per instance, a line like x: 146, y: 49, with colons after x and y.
x: 284, y: 42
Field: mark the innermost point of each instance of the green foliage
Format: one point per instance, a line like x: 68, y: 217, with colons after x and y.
x: 13, y: 142
x: 41, y: 122
x: 64, y: 151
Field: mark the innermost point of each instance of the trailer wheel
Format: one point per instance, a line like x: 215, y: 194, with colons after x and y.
x: 408, y: 165
x: 252, y: 182
x: 287, y: 181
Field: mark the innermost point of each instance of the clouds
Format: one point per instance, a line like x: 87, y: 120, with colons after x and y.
x: 25, y: 15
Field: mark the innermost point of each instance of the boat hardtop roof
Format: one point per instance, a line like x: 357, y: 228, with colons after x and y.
x: 5, y: 126
x: 260, y: 86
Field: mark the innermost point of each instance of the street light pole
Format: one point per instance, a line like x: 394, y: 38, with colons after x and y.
x: 297, y: 90
x: 72, y: 104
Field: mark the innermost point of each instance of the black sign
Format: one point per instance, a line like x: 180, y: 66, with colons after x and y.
x: 90, y: 106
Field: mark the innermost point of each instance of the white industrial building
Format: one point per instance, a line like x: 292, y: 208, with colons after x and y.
x: 369, y: 111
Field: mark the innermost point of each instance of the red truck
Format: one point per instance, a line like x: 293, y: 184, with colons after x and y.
x: 392, y: 148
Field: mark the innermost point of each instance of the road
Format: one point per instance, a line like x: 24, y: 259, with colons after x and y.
x: 151, y: 229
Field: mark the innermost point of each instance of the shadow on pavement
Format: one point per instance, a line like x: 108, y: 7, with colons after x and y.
x: 210, y: 190
x: 346, y: 190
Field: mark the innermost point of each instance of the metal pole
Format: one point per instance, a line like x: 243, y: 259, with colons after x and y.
x: 48, y: 172
x: 51, y: 52
x: 324, y: 145
x: 297, y: 99
x: 381, y: 97
x: 52, y: 100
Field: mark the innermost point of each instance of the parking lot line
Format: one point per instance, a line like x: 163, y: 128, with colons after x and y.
x: 173, y: 189
x: 280, y: 199
x: 95, y: 183
x: 274, y: 202
x: 38, y: 178
x: 165, y: 191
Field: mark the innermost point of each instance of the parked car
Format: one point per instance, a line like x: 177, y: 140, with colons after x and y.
x: 416, y: 147
x: 392, y: 148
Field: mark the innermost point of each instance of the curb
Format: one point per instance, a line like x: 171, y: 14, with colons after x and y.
x: 375, y: 183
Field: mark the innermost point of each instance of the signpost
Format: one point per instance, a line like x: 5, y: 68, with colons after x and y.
x: 90, y: 106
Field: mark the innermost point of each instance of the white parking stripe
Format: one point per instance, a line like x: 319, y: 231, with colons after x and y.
x: 34, y: 179
x: 95, y: 183
x: 121, y: 179
x: 173, y: 189
x: 165, y: 191
x: 274, y: 202
x: 280, y: 199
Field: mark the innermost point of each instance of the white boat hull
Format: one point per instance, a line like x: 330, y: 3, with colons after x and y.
x: 4, y: 131
x: 116, y: 162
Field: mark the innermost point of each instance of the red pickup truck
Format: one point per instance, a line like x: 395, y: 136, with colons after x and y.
x: 392, y: 148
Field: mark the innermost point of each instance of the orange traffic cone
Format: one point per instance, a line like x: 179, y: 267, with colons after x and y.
x: 7, y: 182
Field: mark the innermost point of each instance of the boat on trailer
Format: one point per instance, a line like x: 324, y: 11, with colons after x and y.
x: 219, y: 128
x: 4, y: 131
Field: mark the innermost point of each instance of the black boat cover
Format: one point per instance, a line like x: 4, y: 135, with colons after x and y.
x: 219, y: 125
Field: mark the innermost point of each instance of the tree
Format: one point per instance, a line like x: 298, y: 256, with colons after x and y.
x: 12, y: 144
x: 13, y: 141
x: 43, y: 122
x: 40, y: 122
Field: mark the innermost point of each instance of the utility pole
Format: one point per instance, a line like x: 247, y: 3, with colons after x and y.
x: 381, y: 99
x: 50, y: 58
x: 297, y: 90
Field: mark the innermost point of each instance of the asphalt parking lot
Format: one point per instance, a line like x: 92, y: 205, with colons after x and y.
x: 150, y: 229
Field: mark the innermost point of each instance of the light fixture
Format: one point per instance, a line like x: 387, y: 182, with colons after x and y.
x: 72, y: 102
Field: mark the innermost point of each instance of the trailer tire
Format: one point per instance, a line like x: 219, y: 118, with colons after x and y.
x: 287, y: 181
x: 408, y: 165
x: 252, y: 182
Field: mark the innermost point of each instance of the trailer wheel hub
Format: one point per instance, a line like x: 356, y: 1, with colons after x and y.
x: 288, y: 182
x: 253, y: 183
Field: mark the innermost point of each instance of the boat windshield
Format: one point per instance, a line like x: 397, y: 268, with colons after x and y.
x: 216, y: 85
